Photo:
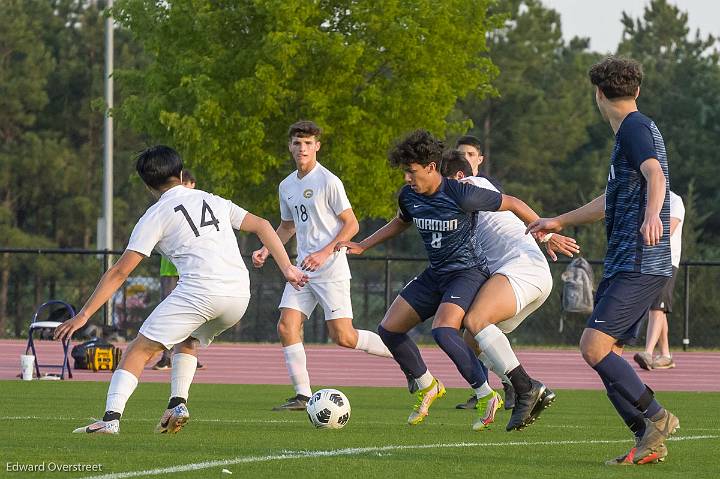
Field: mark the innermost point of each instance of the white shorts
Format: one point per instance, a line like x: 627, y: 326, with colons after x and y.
x: 334, y: 297
x: 180, y: 316
x: 532, y: 283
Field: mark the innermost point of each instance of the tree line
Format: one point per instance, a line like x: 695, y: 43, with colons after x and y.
x: 221, y: 82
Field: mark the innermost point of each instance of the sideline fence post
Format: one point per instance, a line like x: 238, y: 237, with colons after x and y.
x: 387, y: 283
x: 107, y: 260
x: 686, y: 336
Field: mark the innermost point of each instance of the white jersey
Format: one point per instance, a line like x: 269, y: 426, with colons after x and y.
x: 194, y: 230
x: 314, y: 202
x: 677, y: 210
x: 501, y: 235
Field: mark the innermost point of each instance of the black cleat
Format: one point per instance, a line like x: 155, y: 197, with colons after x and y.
x: 509, y: 395
x: 469, y: 404
x: 528, y: 406
x: 295, y: 403
x: 163, y: 364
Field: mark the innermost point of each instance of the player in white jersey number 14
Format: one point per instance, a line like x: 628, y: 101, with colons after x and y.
x: 193, y: 229
x: 315, y: 208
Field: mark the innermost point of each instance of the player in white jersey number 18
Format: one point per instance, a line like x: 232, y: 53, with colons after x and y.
x: 315, y: 209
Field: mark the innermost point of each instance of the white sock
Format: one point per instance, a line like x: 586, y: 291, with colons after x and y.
x: 495, y: 345
x: 372, y: 344
x: 424, y: 381
x: 122, y: 385
x: 296, y: 364
x: 483, y: 390
x: 181, y: 377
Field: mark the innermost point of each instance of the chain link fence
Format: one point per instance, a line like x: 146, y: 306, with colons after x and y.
x: 30, y: 277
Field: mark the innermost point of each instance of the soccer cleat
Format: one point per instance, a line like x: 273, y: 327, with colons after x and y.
x: 487, y: 407
x: 162, y: 365
x: 100, y: 427
x: 509, y: 395
x: 663, y: 362
x: 295, y: 403
x: 644, y: 360
x: 173, y: 420
x: 425, y: 398
x: 656, y: 432
x: 528, y: 406
x: 469, y: 404
x: 628, y: 459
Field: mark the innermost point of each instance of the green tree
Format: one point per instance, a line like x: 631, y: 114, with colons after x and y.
x: 540, y: 116
x: 227, y: 79
x: 681, y: 93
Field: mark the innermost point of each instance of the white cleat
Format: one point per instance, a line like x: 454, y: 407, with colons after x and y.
x: 173, y: 420
x: 100, y: 427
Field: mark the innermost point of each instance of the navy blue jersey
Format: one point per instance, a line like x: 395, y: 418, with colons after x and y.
x: 636, y: 140
x: 446, y: 222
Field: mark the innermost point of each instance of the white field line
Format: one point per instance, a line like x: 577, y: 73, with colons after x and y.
x: 354, y: 451
x: 302, y: 420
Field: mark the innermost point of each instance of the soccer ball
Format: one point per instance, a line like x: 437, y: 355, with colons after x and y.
x: 328, y: 409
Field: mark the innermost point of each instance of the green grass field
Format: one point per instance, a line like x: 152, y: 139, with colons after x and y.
x: 234, y: 423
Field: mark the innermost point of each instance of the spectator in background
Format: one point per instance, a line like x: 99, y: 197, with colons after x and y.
x: 169, y: 278
x: 657, y: 328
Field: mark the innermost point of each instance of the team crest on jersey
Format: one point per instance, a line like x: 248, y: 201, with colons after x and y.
x: 308, y: 193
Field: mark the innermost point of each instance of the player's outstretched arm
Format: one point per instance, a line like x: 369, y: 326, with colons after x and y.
x: 557, y: 243
x: 390, y: 230
x: 652, y: 227
x: 285, y: 231
x: 270, y: 239
x: 350, y: 228
x: 589, y: 213
x: 109, y: 283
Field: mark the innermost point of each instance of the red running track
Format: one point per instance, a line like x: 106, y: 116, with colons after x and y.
x: 335, y: 366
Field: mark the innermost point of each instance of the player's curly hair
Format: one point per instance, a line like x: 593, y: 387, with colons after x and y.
x: 617, y: 77
x: 420, y: 146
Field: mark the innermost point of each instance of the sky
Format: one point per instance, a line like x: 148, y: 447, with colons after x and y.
x: 600, y: 19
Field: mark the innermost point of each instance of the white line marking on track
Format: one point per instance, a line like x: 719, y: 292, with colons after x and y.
x: 285, y: 455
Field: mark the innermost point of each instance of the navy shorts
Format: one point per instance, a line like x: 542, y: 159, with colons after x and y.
x: 664, y: 301
x: 623, y: 301
x: 427, y: 291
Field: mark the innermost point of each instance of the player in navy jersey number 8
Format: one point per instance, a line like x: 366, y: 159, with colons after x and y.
x: 443, y: 211
x: 636, y: 208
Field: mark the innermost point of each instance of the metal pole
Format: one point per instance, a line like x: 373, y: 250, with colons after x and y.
x: 108, y: 152
x: 686, y: 336
x: 387, y: 284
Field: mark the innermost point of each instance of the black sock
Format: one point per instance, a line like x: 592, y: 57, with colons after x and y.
x: 176, y: 401
x: 520, y: 380
x: 111, y: 416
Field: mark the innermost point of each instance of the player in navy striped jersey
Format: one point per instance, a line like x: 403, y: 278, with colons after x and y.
x: 443, y: 212
x: 636, y: 208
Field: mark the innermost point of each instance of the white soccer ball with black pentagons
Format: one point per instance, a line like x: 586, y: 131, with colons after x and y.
x: 328, y: 409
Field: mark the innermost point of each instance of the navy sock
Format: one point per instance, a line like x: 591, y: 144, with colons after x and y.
x: 629, y: 413
x: 461, y: 354
x: 405, y: 352
x: 482, y: 365
x: 623, y: 379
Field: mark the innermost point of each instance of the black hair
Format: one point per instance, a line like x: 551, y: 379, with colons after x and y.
x: 454, y: 161
x: 470, y: 140
x: 617, y: 77
x: 187, y: 176
x: 420, y: 146
x: 157, y: 164
x: 304, y: 129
